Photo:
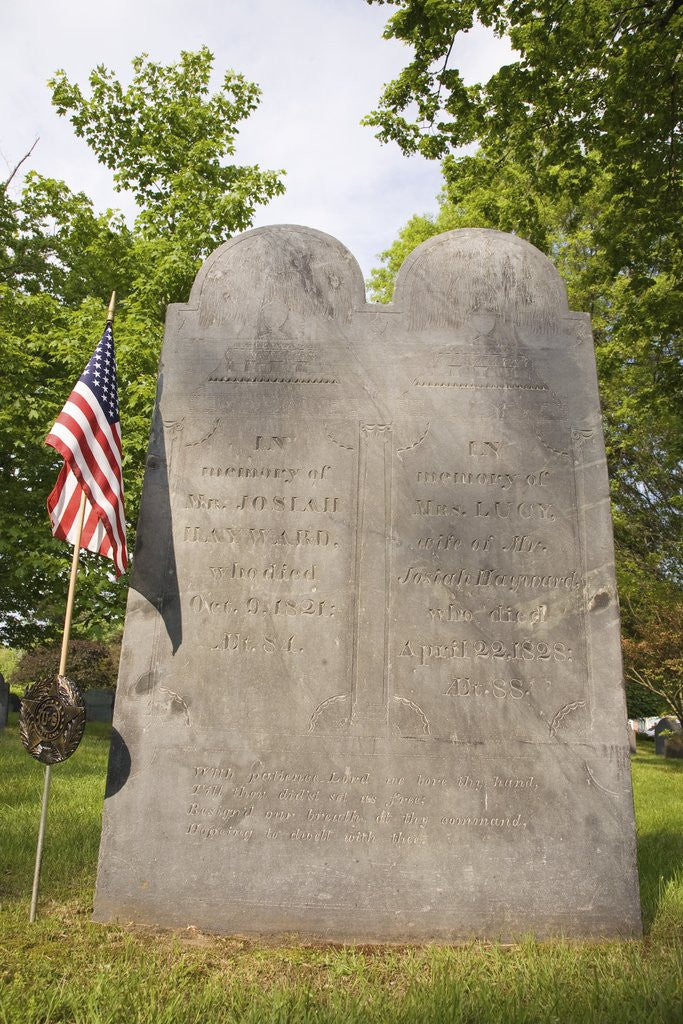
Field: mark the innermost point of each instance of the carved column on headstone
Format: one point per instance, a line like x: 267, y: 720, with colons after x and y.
x: 369, y: 714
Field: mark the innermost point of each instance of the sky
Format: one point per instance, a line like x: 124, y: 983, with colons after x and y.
x: 321, y: 65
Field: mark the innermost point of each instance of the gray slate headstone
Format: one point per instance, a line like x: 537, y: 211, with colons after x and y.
x: 370, y: 687
x: 667, y: 724
x: 99, y: 705
x: 663, y: 728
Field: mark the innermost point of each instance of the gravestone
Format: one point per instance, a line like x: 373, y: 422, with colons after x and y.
x: 663, y: 729
x: 99, y: 705
x: 370, y: 687
x: 674, y: 746
x: 667, y: 724
x: 632, y: 746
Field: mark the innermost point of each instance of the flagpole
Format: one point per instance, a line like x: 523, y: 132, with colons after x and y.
x: 62, y: 671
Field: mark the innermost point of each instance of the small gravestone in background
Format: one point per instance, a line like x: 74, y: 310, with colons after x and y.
x: 99, y: 705
x: 370, y: 687
x: 663, y: 730
x: 4, y: 701
x: 674, y: 746
x: 667, y: 724
x: 631, y: 739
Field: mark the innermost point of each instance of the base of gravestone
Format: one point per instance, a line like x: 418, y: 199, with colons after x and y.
x: 134, y: 921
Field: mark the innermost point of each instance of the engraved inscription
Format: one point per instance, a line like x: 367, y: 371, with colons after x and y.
x: 492, y: 563
x: 353, y: 805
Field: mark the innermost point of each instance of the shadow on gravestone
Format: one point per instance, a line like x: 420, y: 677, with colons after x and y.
x: 154, y: 565
x: 393, y: 707
x: 154, y: 578
x: 118, y: 769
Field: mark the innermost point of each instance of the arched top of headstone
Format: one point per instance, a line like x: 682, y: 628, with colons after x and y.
x: 471, y: 271
x: 273, y: 280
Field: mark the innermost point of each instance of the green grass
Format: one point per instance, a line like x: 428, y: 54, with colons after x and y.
x: 64, y: 969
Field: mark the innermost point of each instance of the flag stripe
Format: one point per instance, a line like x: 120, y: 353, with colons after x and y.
x: 92, y: 479
x: 67, y: 495
x: 111, y: 430
x: 87, y: 435
x: 77, y: 424
x: 109, y: 442
x: 71, y: 431
x: 93, y: 531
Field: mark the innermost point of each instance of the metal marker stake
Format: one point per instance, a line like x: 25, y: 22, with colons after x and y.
x: 39, y: 848
x: 62, y: 671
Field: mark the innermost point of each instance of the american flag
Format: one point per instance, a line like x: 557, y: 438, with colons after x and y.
x: 87, y: 435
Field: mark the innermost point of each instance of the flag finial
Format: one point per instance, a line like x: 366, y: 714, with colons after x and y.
x: 110, y: 311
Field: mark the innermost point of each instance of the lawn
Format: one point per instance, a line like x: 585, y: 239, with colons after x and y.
x: 64, y: 969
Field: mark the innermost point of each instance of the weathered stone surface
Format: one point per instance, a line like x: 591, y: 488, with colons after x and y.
x: 370, y: 686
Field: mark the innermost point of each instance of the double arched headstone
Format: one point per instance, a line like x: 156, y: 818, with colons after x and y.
x: 370, y: 686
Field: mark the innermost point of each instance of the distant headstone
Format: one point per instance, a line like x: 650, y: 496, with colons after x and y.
x: 14, y: 703
x: 667, y: 725
x: 370, y: 686
x: 631, y: 738
x: 663, y: 729
x: 674, y: 746
x: 4, y: 701
x: 99, y: 705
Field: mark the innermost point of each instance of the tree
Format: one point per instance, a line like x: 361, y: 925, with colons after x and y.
x: 578, y: 151
x: 168, y: 140
x: 594, y: 89
x: 165, y: 138
x: 653, y: 655
x: 91, y: 664
x: 62, y: 248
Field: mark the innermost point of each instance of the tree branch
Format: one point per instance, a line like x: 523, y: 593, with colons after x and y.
x: 25, y: 157
x: 672, y: 699
x: 445, y: 65
x: 663, y: 22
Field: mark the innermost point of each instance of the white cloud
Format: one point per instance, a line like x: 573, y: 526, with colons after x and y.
x: 320, y: 63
